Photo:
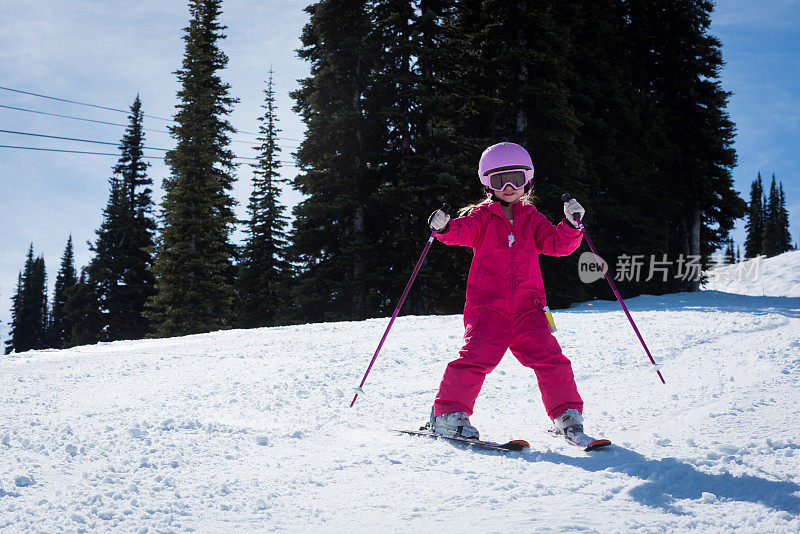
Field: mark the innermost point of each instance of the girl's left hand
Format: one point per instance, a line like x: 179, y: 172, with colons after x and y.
x: 571, y: 209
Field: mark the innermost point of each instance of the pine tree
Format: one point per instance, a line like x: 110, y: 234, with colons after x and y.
x: 776, y: 238
x: 29, y: 324
x: 193, y: 254
x: 769, y: 235
x: 82, y: 311
x: 784, y: 237
x: 615, y: 184
x: 60, y: 326
x: 755, y: 220
x: 122, y: 262
x: 729, y: 254
x: 418, y: 160
x: 263, y: 269
x: 690, y: 135
x: 16, y: 317
x: 331, y: 236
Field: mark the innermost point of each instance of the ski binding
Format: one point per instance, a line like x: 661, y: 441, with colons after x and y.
x: 579, y: 439
x: 515, y: 445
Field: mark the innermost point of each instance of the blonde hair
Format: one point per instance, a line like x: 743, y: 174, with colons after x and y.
x: 527, y: 198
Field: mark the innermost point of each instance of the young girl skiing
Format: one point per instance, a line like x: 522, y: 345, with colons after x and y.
x: 506, y: 305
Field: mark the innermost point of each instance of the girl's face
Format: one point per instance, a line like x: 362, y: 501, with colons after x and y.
x: 509, y: 194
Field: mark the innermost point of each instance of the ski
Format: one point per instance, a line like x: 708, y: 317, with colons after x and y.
x: 516, y: 445
x: 581, y: 440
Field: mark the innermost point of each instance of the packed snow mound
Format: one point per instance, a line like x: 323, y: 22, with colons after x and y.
x: 251, y: 430
x: 778, y: 276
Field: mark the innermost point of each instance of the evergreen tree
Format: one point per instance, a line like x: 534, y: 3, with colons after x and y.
x: 775, y: 238
x: 784, y: 237
x: 193, y: 253
x: 82, y: 311
x: 60, y: 327
x: 618, y: 102
x: 689, y: 137
x: 419, y: 163
x: 29, y: 313
x: 615, y: 184
x: 755, y: 220
x: 769, y: 234
x: 122, y: 262
x: 729, y: 254
x: 331, y: 237
x: 263, y: 269
x: 16, y: 317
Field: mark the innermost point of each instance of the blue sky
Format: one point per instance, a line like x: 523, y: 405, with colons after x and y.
x: 101, y: 53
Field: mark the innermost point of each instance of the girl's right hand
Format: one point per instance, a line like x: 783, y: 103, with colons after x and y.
x: 439, y: 221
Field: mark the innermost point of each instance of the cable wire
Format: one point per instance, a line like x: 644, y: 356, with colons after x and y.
x: 123, y: 125
x: 79, y: 103
x: 15, y: 132
x: 116, y: 109
x: 283, y: 163
x: 76, y: 139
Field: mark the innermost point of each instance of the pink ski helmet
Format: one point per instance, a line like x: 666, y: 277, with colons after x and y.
x: 496, y: 162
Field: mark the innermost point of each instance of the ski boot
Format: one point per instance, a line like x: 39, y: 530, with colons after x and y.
x: 570, y: 425
x: 453, y: 424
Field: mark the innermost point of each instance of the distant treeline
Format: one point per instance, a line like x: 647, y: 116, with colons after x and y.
x: 619, y: 103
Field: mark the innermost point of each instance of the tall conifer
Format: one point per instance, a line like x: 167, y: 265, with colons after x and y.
x: 753, y: 243
x: 16, y: 317
x: 769, y: 244
x: 677, y: 64
x: 29, y: 324
x: 194, y: 256
x: 775, y: 238
x: 122, y: 262
x: 332, y: 239
x: 419, y: 159
x: 82, y: 311
x: 263, y: 269
x: 784, y: 238
x: 60, y: 326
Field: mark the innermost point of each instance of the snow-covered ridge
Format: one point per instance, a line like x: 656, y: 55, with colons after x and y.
x: 250, y: 429
x: 776, y: 276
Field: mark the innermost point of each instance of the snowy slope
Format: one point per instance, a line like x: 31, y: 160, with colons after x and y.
x: 251, y: 430
x: 776, y: 276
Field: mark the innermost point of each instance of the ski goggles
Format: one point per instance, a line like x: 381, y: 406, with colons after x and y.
x: 516, y: 177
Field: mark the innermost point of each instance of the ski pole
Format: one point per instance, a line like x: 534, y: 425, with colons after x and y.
x: 565, y: 198
x: 446, y: 209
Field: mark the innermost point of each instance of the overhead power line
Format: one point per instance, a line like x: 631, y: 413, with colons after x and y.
x: 79, y: 103
x: 117, y: 123
x: 75, y: 139
x: 115, y: 109
x: 71, y: 151
x: 75, y: 118
x: 284, y: 163
x: 31, y: 134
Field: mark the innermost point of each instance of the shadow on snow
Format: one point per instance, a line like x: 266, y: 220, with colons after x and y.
x: 669, y: 479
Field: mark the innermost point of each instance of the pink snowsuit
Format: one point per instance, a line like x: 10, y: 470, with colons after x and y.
x: 505, y: 297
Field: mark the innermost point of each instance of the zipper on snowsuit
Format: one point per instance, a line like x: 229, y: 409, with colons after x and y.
x: 513, y: 261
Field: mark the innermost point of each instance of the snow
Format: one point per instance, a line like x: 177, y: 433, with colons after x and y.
x: 778, y: 276
x: 249, y: 430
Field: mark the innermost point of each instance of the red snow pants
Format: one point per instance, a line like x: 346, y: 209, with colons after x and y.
x: 488, y: 334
